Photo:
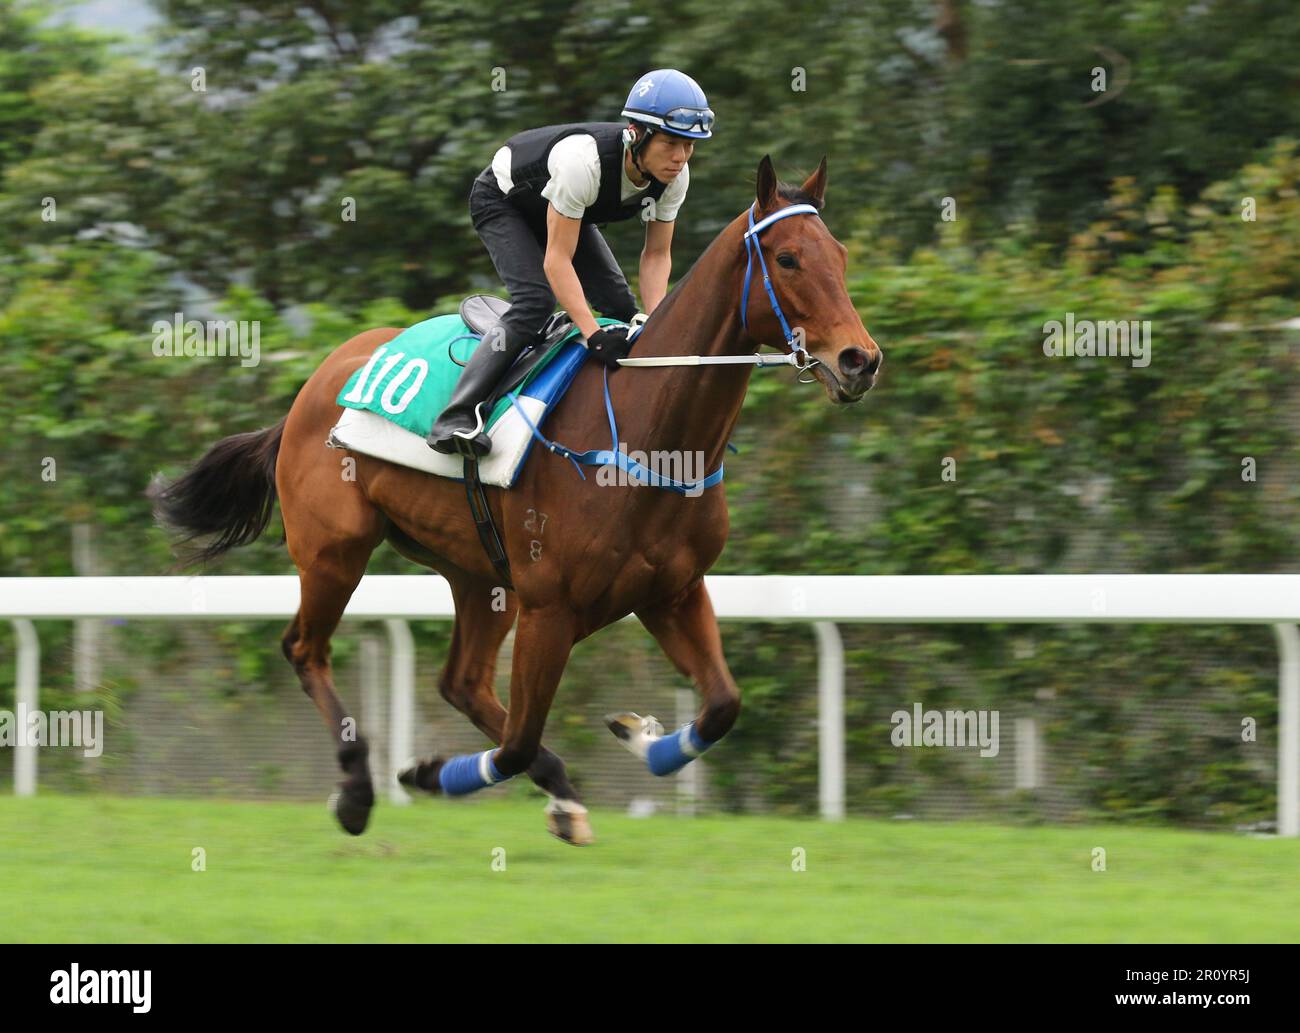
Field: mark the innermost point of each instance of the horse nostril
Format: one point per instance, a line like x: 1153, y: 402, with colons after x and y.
x: 874, y: 364
x: 852, y: 361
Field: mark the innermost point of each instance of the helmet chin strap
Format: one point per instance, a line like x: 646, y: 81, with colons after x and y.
x: 636, y: 150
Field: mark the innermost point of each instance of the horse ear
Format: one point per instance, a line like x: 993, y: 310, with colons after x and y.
x: 766, y: 189
x: 815, y: 185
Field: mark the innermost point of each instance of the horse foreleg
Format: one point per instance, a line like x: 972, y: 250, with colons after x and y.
x: 543, y: 642
x: 687, y: 631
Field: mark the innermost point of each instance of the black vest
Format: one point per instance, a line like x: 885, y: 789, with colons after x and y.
x: 530, y: 150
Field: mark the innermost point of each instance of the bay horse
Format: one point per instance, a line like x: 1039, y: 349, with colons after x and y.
x: 583, y: 554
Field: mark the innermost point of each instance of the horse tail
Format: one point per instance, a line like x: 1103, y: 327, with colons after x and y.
x: 229, y: 493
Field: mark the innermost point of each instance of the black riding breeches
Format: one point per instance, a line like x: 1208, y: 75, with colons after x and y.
x: 518, y: 247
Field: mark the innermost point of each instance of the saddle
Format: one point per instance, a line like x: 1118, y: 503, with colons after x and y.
x: 481, y: 312
x: 390, y: 402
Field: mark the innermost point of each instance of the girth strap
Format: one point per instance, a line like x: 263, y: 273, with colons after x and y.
x: 484, y: 524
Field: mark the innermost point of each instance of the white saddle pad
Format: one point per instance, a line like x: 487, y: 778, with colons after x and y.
x: 372, y: 435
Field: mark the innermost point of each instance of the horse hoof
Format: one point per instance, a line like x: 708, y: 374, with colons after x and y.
x: 351, y: 808
x: 423, y: 776
x: 634, y: 732
x: 567, y: 821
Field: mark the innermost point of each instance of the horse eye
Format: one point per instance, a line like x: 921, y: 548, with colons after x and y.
x: 787, y: 261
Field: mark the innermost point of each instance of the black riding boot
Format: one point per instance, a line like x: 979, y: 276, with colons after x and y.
x: 461, y: 427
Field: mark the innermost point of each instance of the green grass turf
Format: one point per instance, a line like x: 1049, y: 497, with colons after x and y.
x: 96, y: 869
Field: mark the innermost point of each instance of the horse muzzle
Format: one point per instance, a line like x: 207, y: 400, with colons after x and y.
x: 852, y: 375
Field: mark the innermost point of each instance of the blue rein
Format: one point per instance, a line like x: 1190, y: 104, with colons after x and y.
x: 613, y: 456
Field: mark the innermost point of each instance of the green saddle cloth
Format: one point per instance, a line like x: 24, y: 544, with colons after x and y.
x: 410, y: 380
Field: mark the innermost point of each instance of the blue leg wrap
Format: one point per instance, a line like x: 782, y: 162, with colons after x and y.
x: 468, y: 773
x: 673, y: 752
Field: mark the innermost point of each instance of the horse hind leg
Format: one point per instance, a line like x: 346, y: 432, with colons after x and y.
x: 329, y: 572
x: 484, y: 617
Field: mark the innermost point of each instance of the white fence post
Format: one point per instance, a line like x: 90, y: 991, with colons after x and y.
x: 688, y: 779
x: 830, y: 720
x: 1288, y: 730
x: 27, y: 701
x: 401, y: 707
x: 372, y: 724
x: 1029, y: 763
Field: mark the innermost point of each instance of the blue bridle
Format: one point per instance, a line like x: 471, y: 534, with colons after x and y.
x: 752, y: 247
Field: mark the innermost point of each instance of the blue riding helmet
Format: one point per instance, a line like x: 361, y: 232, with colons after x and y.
x: 670, y: 101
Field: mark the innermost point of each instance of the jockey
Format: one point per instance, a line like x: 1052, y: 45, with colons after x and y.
x: 536, y: 208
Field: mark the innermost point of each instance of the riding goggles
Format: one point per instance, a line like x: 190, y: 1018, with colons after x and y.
x: 691, y: 119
